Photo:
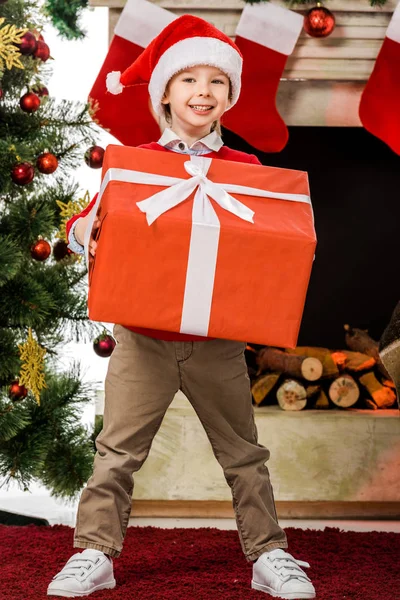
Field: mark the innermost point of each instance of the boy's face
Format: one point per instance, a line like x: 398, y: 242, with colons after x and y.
x: 197, y: 96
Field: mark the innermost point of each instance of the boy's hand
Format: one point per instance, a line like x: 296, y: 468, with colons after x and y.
x: 92, y: 242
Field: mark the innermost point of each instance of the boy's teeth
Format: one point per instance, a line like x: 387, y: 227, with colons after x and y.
x: 201, y: 107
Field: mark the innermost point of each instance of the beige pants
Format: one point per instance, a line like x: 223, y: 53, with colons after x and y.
x: 143, y: 377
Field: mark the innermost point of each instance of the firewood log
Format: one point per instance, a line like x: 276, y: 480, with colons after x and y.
x: 316, y: 397
x: 329, y: 368
x: 353, y: 361
x: 383, y: 396
x: 389, y: 383
x: 359, y: 341
x: 371, y: 404
x: 344, y: 391
x: 313, y: 391
x: 322, y: 401
x: 339, y: 358
x: 251, y: 356
x: 277, y: 361
x: 262, y: 386
x: 291, y: 395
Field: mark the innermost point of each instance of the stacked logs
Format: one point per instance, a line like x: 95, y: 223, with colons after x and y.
x: 319, y: 378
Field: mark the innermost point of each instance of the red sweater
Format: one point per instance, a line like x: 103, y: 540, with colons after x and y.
x: 224, y: 153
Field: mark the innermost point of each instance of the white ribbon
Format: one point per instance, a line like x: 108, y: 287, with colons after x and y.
x: 203, y: 250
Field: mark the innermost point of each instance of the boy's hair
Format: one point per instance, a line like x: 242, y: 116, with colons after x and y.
x: 167, y: 117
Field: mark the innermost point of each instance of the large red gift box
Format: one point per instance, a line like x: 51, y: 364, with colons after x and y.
x: 201, y: 246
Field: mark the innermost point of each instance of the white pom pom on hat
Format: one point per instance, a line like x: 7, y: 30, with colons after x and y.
x: 113, y: 82
x: 186, y: 42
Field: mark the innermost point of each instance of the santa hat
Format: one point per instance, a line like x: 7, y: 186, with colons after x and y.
x: 186, y: 42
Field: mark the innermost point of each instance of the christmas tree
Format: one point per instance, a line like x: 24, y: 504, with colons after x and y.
x: 42, y: 284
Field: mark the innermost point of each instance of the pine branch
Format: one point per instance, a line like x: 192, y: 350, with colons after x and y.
x: 11, y: 257
x: 9, y: 358
x: 65, y: 17
x: 14, y: 418
x: 65, y: 129
x: 47, y: 442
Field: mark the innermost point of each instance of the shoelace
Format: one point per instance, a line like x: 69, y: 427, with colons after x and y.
x: 74, y: 567
x: 289, y: 567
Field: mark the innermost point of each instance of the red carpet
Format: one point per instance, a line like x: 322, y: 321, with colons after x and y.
x: 203, y: 564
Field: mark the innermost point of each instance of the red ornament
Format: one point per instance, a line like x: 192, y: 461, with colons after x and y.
x: 40, y: 250
x: 319, y: 22
x: 94, y: 157
x: 29, y: 102
x: 22, y: 173
x: 28, y: 44
x: 42, y: 51
x: 1, y: 94
x: 61, y: 250
x: 104, y: 345
x: 16, y: 391
x: 38, y: 35
x: 47, y: 163
x: 42, y: 91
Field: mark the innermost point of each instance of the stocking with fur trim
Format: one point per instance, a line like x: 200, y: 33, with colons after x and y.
x: 128, y: 116
x: 266, y: 35
x: 379, y: 107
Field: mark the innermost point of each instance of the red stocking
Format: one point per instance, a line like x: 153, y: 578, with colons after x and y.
x: 266, y: 35
x: 127, y: 116
x: 380, y: 102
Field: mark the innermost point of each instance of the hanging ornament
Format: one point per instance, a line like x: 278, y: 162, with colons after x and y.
x: 37, y: 35
x: 40, y: 250
x: 1, y: 93
x: 29, y: 102
x: 41, y: 91
x: 94, y: 157
x: 17, y: 391
x: 319, y: 21
x: 22, y: 173
x: 68, y: 210
x: 104, y: 345
x: 61, y: 250
x: 10, y: 37
x: 31, y: 375
x: 28, y: 44
x: 42, y: 51
x: 47, y: 163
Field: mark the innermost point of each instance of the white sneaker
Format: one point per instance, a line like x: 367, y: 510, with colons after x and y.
x: 84, y: 573
x: 279, y: 574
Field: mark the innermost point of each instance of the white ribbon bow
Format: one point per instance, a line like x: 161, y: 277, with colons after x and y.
x: 204, y: 239
x: 203, y: 211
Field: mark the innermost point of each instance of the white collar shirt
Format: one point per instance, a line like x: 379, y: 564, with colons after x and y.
x: 210, y: 143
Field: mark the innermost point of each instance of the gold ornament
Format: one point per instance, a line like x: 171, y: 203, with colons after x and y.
x: 68, y: 210
x: 9, y: 53
x: 31, y: 375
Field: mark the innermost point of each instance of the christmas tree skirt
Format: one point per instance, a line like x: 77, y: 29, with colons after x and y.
x: 203, y: 564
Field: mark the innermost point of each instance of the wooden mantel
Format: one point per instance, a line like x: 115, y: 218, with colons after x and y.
x: 324, y: 78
